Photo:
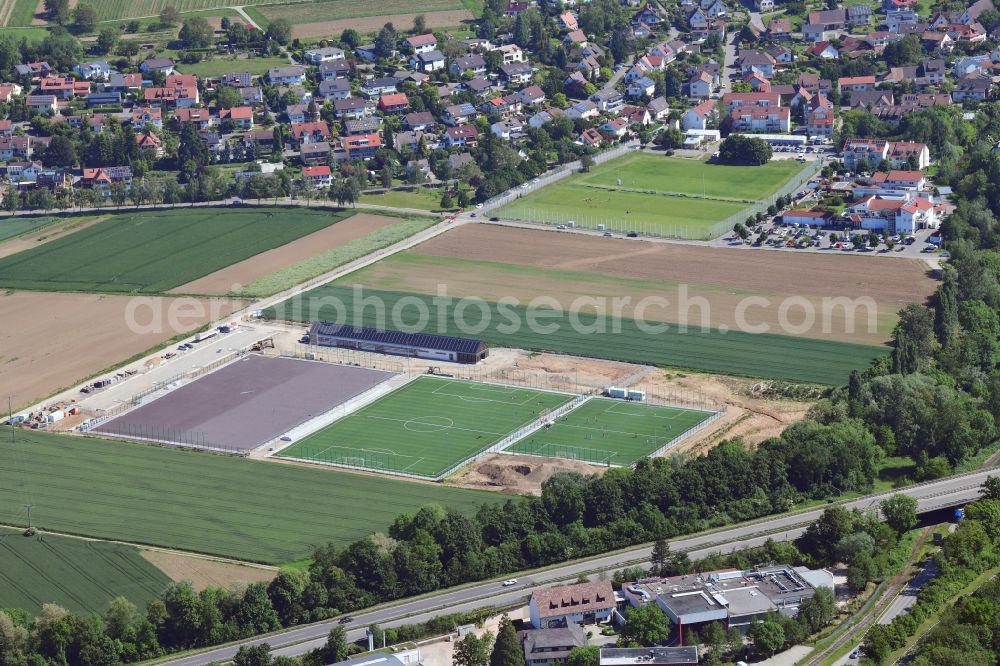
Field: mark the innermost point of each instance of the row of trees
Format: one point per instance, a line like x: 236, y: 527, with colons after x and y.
x: 967, y: 634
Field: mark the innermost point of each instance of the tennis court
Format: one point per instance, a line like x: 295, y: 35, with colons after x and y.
x: 426, y: 426
x: 609, y: 431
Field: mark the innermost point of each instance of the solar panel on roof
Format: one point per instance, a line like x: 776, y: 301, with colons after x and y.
x: 381, y: 336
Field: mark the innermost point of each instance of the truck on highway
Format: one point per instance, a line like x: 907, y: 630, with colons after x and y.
x: 205, y: 335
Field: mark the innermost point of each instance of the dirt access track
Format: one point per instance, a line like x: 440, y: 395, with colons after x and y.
x: 371, y: 24
x: 50, y: 341
x: 242, y: 273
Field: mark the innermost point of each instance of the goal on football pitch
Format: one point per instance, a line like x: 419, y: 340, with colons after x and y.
x: 362, y: 458
x: 534, y: 446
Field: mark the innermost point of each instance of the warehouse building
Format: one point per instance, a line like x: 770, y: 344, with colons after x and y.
x: 398, y: 343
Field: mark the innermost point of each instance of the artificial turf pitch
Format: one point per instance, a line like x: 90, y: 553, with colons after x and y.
x: 426, y: 426
x: 609, y: 431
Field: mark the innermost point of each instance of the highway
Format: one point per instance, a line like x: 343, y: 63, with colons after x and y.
x: 298, y: 640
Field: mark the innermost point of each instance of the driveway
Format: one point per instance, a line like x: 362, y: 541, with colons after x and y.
x: 729, y: 62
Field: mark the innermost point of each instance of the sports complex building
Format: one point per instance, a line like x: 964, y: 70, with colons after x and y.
x: 398, y: 343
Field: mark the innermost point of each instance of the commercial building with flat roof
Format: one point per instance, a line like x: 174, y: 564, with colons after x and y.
x: 735, y: 598
x: 658, y: 656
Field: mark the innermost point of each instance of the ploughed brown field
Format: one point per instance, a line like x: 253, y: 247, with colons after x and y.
x: 811, y: 274
x: 50, y: 341
x: 492, y: 262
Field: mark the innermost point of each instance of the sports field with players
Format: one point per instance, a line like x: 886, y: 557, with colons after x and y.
x: 609, y: 431
x: 426, y: 427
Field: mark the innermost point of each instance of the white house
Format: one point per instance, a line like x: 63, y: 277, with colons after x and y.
x: 328, y: 54
x: 698, y: 117
x: 644, y: 87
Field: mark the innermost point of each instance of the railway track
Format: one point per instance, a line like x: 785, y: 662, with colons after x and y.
x: 896, y: 585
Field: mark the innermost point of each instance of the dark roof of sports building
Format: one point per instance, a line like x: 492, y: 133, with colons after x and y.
x: 381, y: 336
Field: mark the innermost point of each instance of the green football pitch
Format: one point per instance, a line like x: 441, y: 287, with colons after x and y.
x: 650, y: 193
x: 609, y: 431
x: 426, y: 426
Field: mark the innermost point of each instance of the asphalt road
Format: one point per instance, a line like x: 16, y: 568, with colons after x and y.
x: 296, y: 641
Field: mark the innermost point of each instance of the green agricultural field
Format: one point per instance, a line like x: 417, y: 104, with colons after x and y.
x: 19, y: 225
x: 656, y: 194
x: 426, y: 426
x: 79, y: 575
x: 707, y: 350
x: 202, y: 502
x: 608, y: 431
x: 152, y: 252
x: 22, y: 12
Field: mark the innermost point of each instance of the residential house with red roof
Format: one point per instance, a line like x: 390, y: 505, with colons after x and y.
x: 317, y: 177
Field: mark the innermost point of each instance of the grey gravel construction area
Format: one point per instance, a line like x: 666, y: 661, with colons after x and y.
x: 245, y: 404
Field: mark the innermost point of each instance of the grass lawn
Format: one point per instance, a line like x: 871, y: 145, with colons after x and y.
x: 334, y: 10
x: 426, y: 426
x: 16, y: 226
x: 220, y: 66
x: 81, y: 576
x: 23, y: 12
x: 707, y: 350
x: 152, y: 252
x: 661, y: 195
x: 422, y: 198
x: 605, y: 430
x: 202, y: 502
x: 256, y: 15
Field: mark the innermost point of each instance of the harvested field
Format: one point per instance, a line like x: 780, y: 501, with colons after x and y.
x: 203, y: 572
x: 240, y: 274
x: 245, y: 404
x: 575, y: 291
x: 49, y: 341
x: 366, y: 24
x: 886, y: 280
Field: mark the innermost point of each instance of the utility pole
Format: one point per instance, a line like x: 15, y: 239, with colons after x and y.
x: 10, y: 413
x: 29, y: 515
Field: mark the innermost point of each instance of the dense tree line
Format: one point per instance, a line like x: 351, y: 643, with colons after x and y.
x: 969, y: 632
